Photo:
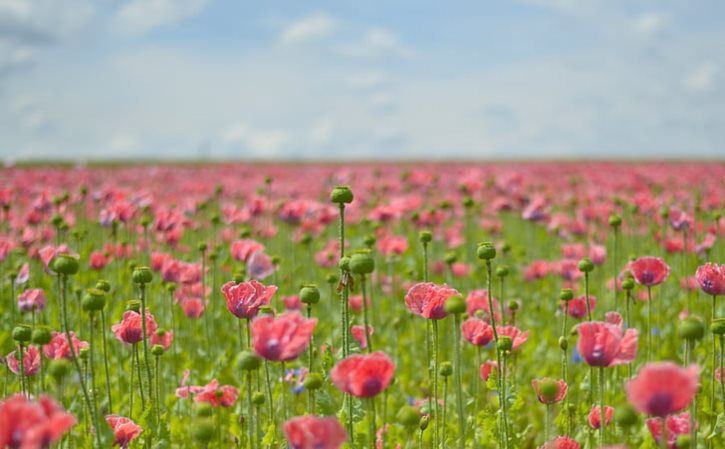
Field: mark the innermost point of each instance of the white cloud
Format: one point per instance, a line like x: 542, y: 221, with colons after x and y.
x: 124, y: 143
x: 260, y: 142
x: 702, y: 77
x: 308, y: 28
x: 650, y: 24
x: 375, y: 44
x: 43, y: 20
x: 140, y: 16
x: 321, y: 132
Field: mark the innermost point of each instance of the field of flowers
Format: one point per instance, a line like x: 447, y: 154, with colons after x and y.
x: 558, y: 305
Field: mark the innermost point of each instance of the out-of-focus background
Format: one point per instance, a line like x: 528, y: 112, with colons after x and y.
x: 405, y: 79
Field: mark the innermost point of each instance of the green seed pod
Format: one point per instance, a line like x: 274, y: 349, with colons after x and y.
x: 142, y: 275
x: 455, y: 305
x: 563, y: 343
x: 691, y: 328
x: 664, y: 212
x: 213, y: 256
x: 57, y: 220
x: 451, y: 257
x: 718, y: 326
x: 84, y: 353
x: 423, y: 423
x: 566, y: 294
x: 239, y: 278
x: 548, y: 388
x: 341, y: 195
x: 58, y: 368
x: 505, y: 247
x: 502, y: 271
x: 313, y: 381
x: 446, y: 369
x: 157, y: 350
x: 306, y: 239
x: 628, y: 284
x: 309, y: 294
x: 369, y: 241
x: 513, y: 305
x: 202, y: 246
x: 586, y: 265
x: 134, y: 305
x: 408, y: 416
x: 468, y: 202
x: 683, y: 442
x: 41, y: 336
x: 332, y: 279
x: 249, y: 361
x: 615, y: 220
x: 103, y: 285
x: 22, y: 334
x: 94, y: 300
x: 625, y: 416
x: 171, y: 287
x: 505, y: 343
x: 258, y: 398
x: 344, y: 263
x: 425, y: 237
x: 362, y: 262
x: 202, y: 431
x: 65, y: 264
x: 486, y: 251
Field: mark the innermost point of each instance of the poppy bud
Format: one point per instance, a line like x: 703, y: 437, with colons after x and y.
x: 258, y: 398
x: 549, y: 389
x: 664, y: 212
x: 505, y: 343
x: 238, y: 278
x: 84, y: 353
x: 425, y: 237
x: 202, y: 431
x: 213, y: 256
x: 691, y: 328
x: 344, y: 263
x: 455, y: 305
x: 202, y: 246
x: 171, y: 287
x: 309, y: 294
x: 468, y: 202
x: 65, y: 264
x: 313, y: 381
x: 157, y: 350
x: 22, y: 334
x: 41, y: 336
x: 58, y: 368
x: 423, y: 423
x: 369, y: 240
x: 249, y: 361
x: 486, y: 251
x: 93, y: 300
x: 331, y: 279
x: 103, y: 285
x: 615, y: 220
x: 506, y: 247
x: 586, y: 265
x: 446, y: 369
x: 361, y: 262
x: 56, y: 220
x: 502, y: 271
x: 625, y: 415
x: 341, y: 195
x: 133, y: 305
x: 563, y: 343
x: 683, y: 442
x: 306, y: 239
x: 566, y: 294
x: 131, y: 264
x: 513, y: 305
x: 718, y: 326
x: 142, y: 275
x: 408, y: 416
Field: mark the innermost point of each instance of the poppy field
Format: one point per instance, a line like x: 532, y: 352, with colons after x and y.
x: 369, y: 306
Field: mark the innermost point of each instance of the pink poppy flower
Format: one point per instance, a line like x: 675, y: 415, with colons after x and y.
x: 460, y: 269
x: 363, y: 376
x: 427, y: 299
x: 260, y: 266
x: 311, y: 432
x: 605, y: 344
x: 282, y: 338
x: 711, y: 278
x: 162, y: 338
x: 561, y: 443
x: 538, y: 269
x: 31, y: 299
x: 561, y: 388
x: 477, y: 332
x: 124, y: 429
x: 97, y: 260
x: 676, y: 425
x: 243, y: 249
x: 193, y: 307
x: 23, y: 275
x: 26, y: 424
x: 58, y: 348
x: 292, y: 302
x: 518, y: 338
x: 31, y: 361
x: 662, y: 388
x: 358, y: 333
x: 595, y: 416
x: 245, y: 299
x: 487, y: 368
x: 577, y: 307
x: 393, y: 245
x: 216, y: 395
x: 130, y: 330
x: 649, y: 270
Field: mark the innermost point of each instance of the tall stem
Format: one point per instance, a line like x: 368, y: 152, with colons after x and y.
x: 366, y: 322
x: 105, y: 362
x: 649, y: 323
x: 459, y: 385
x: 602, y: 415
x: 144, y: 340
x: 436, y: 421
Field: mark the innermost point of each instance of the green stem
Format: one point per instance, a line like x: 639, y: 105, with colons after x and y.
x: 649, y: 323
x: 436, y: 421
x: 144, y: 340
x: 366, y: 323
x: 602, y: 415
x: 459, y: 384
x: 371, y: 421
x: 105, y: 362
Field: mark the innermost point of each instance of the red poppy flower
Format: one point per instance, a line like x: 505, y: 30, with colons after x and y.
x: 282, y: 338
x: 477, y: 332
x: 595, y: 416
x: 561, y: 388
x: 124, y: 429
x: 676, y: 425
x: 59, y: 348
x: 216, y: 395
x: 605, y: 344
x: 561, y: 443
x: 31, y: 299
x: 358, y: 333
x: 577, y: 307
x: 130, y: 329
x: 31, y: 361
x: 26, y: 424
x: 427, y: 299
x: 711, y: 278
x: 243, y: 249
x: 478, y: 300
x: 487, y: 368
x: 245, y: 299
x: 363, y: 376
x: 518, y: 338
x: 649, y: 270
x: 663, y: 388
x: 311, y: 432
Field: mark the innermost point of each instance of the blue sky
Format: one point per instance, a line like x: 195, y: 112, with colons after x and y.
x: 82, y: 79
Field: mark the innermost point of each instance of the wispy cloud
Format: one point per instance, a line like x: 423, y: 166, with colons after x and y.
x: 375, y: 44
x: 702, y: 77
x: 140, y: 16
x: 308, y: 28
